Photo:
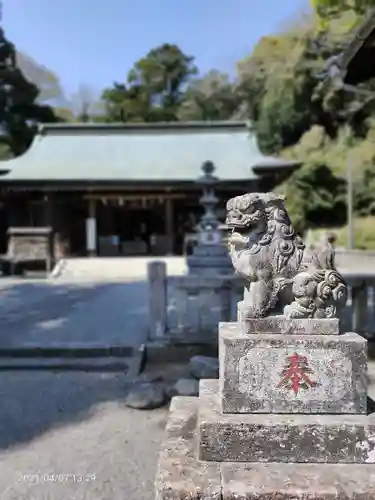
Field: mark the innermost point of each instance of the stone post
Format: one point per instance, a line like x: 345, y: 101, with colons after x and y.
x: 359, y: 307
x: 157, y: 282
x: 226, y: 300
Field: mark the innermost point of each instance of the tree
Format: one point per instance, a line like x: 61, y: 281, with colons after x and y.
x: 154, y: 87
x: 329, y: 7
x: 123, y: 103
x: 48, y: 84
x: 277, y: 83
x: 212, y: 97
x: 86, y: 105
x: 326, y: 10
x: 19, y: 111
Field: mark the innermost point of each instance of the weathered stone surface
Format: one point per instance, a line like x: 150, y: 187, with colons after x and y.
x: 146, y: 396
x: 204, y: 367
x: 157, y: 280
x: 261, y: 235
x: 298, y: 481
x: 184, y: 387
x: 180, y: 475
x: 274, y: 373
x: 282, y: 325
x: 265, y: 249
x: 282, y: 438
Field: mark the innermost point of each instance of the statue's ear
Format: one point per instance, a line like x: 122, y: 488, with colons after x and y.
x: 274, y: 199
x: 323, y: 258
x: 230, y: 204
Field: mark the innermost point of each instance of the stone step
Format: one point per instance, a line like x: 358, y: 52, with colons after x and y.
x: 78, y: 357
x: 87, y: 364
x: 68, y: 350
x: 113, y: 268
x: 227, y: 480
x: 159, y: 352
x: 285, y: 438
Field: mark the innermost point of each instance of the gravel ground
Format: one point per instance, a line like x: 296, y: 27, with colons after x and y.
x: 75, y: 312
x: 69, y: 436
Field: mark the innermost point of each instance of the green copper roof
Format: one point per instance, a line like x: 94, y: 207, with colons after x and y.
x: 139, y: 152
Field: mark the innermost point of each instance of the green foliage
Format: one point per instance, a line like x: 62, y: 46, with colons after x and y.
x: 163, y: 86
x: 364, y: 234
x: 327, y: 9
x: 154, y: 88
x: 19, y: 111
x: 278, y: 80
x: 275, y: 87
x: 315, y: 197
x: 211, y: 97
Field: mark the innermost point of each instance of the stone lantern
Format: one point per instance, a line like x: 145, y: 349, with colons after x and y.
x: 209, y: 255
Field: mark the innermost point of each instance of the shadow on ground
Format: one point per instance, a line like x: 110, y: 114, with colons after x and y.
x: 33, y: 403
x: 48, y: 313
x: 36, y: 403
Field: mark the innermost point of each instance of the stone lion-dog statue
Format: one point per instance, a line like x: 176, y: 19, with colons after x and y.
x: 268, y: 253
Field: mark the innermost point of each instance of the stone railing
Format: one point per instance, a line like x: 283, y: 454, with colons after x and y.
x: 188, y: 308
x: 358, y: 260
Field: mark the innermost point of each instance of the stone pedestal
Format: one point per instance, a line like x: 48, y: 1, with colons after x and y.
x: 287, y: 420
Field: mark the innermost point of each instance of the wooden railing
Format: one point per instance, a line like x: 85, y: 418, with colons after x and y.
x: 190, y: 307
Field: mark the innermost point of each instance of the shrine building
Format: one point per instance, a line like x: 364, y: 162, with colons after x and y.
x: 128, y: 189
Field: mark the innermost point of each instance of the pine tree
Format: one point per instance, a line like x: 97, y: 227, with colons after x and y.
x: 19, y: 111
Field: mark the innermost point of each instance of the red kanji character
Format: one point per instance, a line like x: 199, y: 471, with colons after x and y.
x: 294, y: 375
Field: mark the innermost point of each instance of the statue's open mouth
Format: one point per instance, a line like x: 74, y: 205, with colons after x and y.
x: 239, y: 229
x: 241, y: 223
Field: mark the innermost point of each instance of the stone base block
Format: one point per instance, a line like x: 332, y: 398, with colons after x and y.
x: 274, y: 373
x: 297, y: 482
x: 282, y: 325
x: 181, y: 476
x: 284, y: 438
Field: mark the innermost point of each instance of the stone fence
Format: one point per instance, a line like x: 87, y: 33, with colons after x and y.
x: 188, y: 308
x: 360, y: 260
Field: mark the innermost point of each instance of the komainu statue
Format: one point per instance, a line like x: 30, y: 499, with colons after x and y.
x: 319, y: 290
x: 280, y: 276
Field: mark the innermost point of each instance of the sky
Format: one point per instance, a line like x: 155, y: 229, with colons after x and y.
x: 96, y: 42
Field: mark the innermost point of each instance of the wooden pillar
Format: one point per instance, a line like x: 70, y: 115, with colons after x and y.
x: 91, y: 236
x: 49, y: 222
x: 169, y: 229
x: 49, y: 210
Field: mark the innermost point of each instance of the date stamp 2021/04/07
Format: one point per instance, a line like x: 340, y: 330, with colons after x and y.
x: 56, y: 478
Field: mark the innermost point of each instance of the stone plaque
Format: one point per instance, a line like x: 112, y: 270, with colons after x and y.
x: 273, y: 373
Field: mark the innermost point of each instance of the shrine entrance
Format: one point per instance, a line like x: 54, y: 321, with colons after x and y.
x: 134, y: 224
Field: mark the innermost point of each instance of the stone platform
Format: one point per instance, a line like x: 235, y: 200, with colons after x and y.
x: 182, y: 476
x: 284, y: 438
x: 254, y: 372
x: 281, y: 325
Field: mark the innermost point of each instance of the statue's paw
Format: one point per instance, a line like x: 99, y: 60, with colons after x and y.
x: 251, y: 311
